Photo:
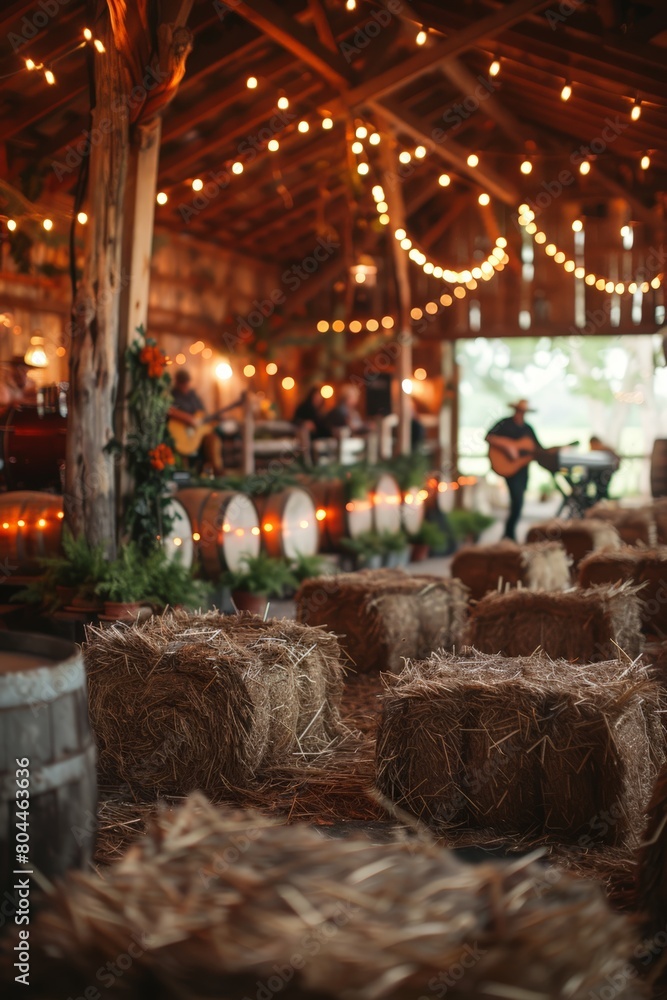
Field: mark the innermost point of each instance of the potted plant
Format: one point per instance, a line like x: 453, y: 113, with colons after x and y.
x: 125, y: 586
x: 366, y: 550
x: 306, y: 567
x: 429, y: 536
x: 74, y: 576
x: 171, y: 584
x: 261, y: 577
x: 395, y: 549
x: 468, y: 525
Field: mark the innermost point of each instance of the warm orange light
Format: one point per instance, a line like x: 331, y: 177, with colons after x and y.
x: 226, y: 528
x: 180, y: 359
x: 21, y: 523
x: 254, y: 531
x: 349, y: 506
x: 249, y: 371
x: 195, y: 536
x: 41, y: 523
x: 268, y: 526
x: 271, y: 368
x: 61, y: 515
x: 303, y: 524
x: 178, y: 541
x: 326, y: 391
x: 288, y: 382
x: 239, y: 532
x: 5, y: 525
x: 320, y: 514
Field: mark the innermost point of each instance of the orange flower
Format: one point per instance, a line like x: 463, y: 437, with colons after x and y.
x: 154, y: 359
x: 161, y: 457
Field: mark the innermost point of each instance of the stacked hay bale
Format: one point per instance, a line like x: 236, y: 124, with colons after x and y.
x: 585, y: 626
x: 214, y: 904
x: 540, y: 566
x: 183, y: 702
x: 523, y: 746
x: 579, y: 536
x: 382, y: 616
x: 645, y: 567
x: 635, y: 525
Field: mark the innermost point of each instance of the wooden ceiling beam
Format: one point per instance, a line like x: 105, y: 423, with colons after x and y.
x: 321, y: 22
x: 431, y: 56
x: 491, y: 106
x: 449, y: 151
x: 269, y: 18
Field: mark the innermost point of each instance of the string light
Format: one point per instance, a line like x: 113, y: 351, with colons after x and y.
x: 361, y: 132
x: 30, y: 65
x: 566, y: 92
x: 197, y: 184
x: 271, y: 368
x: 87, y: 34
x: 49, y: 77
x: 577, y: 226
x: 444, y: 180
x: 82, y: 218
x: 162, y: 197
x: 350, y: 4
x: 273, y: 145
x: 48, y: 225
x: 645, y: 161
x: 526, y: 167
x: 473, y: 160
x: 420, y: 374
x: 327, y: 123
x: 237, y: 167
x: 326, y: 391
x: 303, y: 126
x: 251, y: 82
x: 363, y: 168
x: 357, y: 147
x: 636, y: 111
x: 420, y: 152
x: 283, y: 103
x: 484, y: 198
x: 404, y: 156
x: 494, y: 68
x: 99, y: 46
x: 11, y: 225
x: 288, y: 382
x: 585, y: 167
x: 249, y: 371
x: 374, y: 138
x: 422, y: 35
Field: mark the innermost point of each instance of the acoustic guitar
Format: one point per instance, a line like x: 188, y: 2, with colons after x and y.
x: 527, y: 451
x: 187, y: 439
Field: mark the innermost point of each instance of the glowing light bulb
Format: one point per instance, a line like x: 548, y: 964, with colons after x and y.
x: 249, y: 371
x: 197, y: 184
x: 636, y: 110
x: 645, y: 161
x: 82, y: 218
x: 421, y: 37
x: 494, y: 68
x: 526, y: 167
x: 48, y: 225
x: 99, y: 46
x: 320, y: 514
x: 303, y: 126
x: 350, y: 4
x: 327, y: 123
x: 271, y: 368
x: 361, y: 132
x: 162, y: 197
x: 29, y: 64
x: 406, y: 386
x: 585, y: 167
x: 374, y: 138
x: 566, y: 92
x: 577, y: 226
x: 400, y: 234
x: 473, y: 160
x: 273, y: 145
x: 237, y: 168
x: 326, y: 391
x: 484, y: 199
x: 363, y: 169
x: 288, y: 382
x: 49, y: 77
x: 223, y: 371
x: 251, y: 82
x: 420, y: 152
x: 11, y: 225
x: 444, y: 180
x: 404, y: 156
x: 283, y: 102
x: 87, y: 34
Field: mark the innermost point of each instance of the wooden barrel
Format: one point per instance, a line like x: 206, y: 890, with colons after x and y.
x: 178, y: 543
x: 338, y: 517
x: 30, y: 528
x: 289, y: 523
x: 44, y: 722
x: 441, y: 493
x: 659, y: 468
x: 387, y: 500
x: 225, y: 528
x: 413, y: 508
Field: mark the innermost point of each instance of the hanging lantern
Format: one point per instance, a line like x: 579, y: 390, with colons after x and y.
x: 364, y: 272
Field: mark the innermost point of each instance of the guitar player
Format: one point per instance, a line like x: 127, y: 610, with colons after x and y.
x: 186, y: 409
x: 503, y: 436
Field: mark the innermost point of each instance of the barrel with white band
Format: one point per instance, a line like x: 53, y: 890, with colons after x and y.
x: 387, y: 500
x: 44, y: 719
x: 337, y: 516
x: 178, y: 542
x: 289, y: 523
x: 225, y: 528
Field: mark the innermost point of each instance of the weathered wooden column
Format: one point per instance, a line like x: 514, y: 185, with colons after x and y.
x: 145, y: 48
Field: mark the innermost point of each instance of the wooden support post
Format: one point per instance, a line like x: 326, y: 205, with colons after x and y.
x: 391, y: 183
x: 248, y: 432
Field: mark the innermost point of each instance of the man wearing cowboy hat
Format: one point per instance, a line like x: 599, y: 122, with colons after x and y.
x: 503, y: 435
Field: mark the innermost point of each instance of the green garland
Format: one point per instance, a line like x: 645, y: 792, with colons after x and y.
x: 148, y: 449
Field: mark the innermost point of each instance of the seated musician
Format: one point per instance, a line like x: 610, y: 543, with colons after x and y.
x: 186, y: 407
x: 503, y: 435
x: 15, y: 386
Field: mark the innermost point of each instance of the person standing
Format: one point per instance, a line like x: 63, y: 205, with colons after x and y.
x: 504, y: 436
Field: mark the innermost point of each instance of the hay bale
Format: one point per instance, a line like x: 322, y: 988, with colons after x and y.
x: 381, y: 616
x: 647, y: 568
x: 579, y: 536
x: 228, y: 905
x: 183, y: 702
x: 523, y: 746
x: 578, y: 625
x: 635, y: 525
x: 539, y: 566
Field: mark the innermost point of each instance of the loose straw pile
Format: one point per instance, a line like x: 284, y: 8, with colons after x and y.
x: 215, y: 904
